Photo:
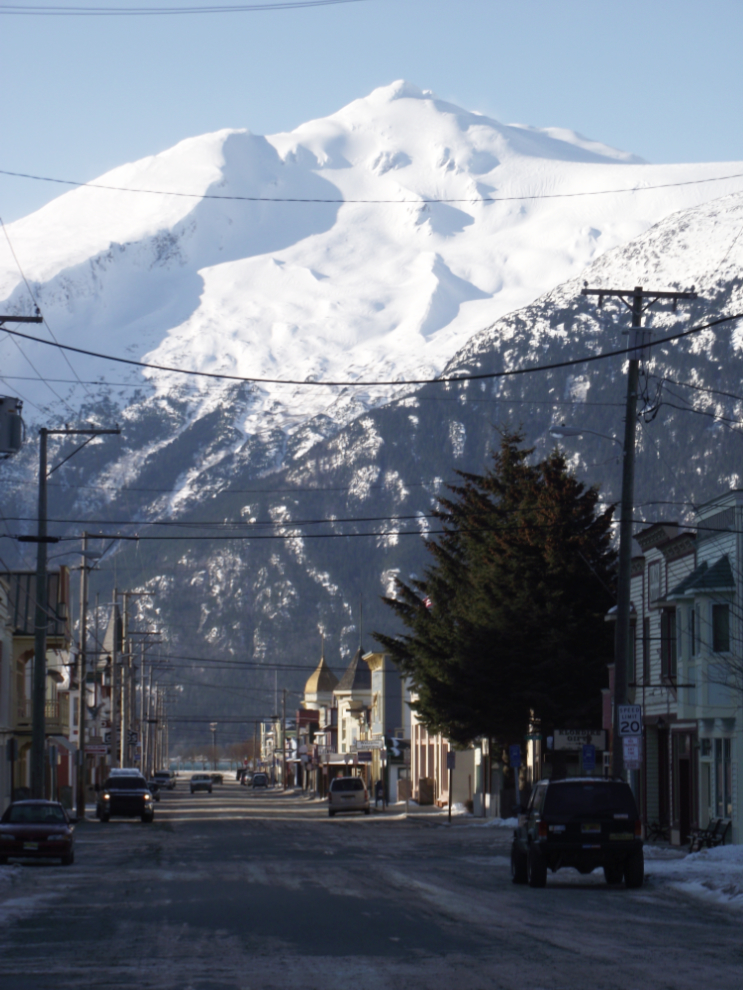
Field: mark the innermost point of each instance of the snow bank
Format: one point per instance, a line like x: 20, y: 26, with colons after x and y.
x: 714, y: 875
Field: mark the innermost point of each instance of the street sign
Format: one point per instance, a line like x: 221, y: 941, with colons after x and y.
x: 632, y: 746
x: 630, y: 720
x: 575, y: 739
x: 451, y: 760
x: 589, y: 757
x: 367, y: 744
x: 364, y: 756
x: 514, y: 756
x: 97, y: 750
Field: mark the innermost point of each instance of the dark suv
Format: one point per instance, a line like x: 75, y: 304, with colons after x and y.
x: 125, y: 796
x: 584, y: 823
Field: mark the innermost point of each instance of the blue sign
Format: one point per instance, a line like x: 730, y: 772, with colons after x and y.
x: 514, y: 756
x: 589, y: 757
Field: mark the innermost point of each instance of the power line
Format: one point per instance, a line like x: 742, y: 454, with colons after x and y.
x: 505, y: 399
x: 417, y: 201
x: 452, y: 379
x: 225, y: 524
x: 44, y: 10
x: 36, y: 304
x: 701, y: 388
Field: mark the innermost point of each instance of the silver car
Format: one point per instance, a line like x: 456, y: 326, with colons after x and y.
x: 348, y: 794
x: 201, y: 782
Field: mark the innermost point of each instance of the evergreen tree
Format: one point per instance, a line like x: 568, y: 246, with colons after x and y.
x: 519, y: 588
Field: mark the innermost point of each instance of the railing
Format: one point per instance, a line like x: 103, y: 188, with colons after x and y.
x: 56, y: 714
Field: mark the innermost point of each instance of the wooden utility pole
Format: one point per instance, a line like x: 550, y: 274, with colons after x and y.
x: 638, y: 300
x: 42, y: 616
x: 82, y: 677
x: 115, y: 685
x: 283, y: 741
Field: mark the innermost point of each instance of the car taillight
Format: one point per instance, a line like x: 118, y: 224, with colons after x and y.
x: 543, y: 830
x: 638, y: 829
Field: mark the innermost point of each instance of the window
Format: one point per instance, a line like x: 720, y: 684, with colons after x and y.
x: 721, y: 628
x: 632, y: 656
x: 653, y: 581
x: 646, y: 651
x: 723, y: 779
x: 693, y: 631
x: 668, y: 658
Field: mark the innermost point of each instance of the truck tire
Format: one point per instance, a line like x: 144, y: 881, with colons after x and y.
x: 519, y: 872
x: 536, y: 868
x: 634, y: 870
x: 614, y: 873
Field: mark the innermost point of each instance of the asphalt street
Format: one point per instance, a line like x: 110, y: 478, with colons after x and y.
x: 249, y: 891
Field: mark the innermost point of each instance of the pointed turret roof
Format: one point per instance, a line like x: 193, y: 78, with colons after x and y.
x: 357, y: 676
x: 321, y: 680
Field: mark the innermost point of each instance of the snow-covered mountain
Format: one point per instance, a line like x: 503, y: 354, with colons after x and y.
x: 358, y: 291
x: 347, y: 291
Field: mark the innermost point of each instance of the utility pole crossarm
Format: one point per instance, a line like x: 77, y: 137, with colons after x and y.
x: 665, y: 294
x: 21, y: 319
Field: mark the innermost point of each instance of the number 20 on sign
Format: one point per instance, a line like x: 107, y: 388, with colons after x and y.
x: 630, y: 720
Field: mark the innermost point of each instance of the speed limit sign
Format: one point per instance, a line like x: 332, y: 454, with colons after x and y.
x: 630, y: 720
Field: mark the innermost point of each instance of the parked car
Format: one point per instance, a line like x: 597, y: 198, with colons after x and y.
x: 584, y: 823
x: 259, y: 780
x: 201, y: 782
x: 348, y: 794
x: 246, y: 778
x: 217, y: 778
x: 125, y: 796
x: 166, y: 779
x: 37, y: 829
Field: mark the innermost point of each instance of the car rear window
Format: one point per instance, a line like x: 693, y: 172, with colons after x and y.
x: 347, y: 784
x: 590, y: 800
x: 36, y: 815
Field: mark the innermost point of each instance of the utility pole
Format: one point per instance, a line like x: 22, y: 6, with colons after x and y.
x: 641, y: 300
x: 127, y: 674
x: 213, y: 727
x: 82, y: 675
x: 114, y: 686
x: 41, y: 620
x: 152, y: 766
x: 283, y: 741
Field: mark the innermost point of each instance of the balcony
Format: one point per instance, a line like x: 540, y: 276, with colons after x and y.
x: 56, y: 714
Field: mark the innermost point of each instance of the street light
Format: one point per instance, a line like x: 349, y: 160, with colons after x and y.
x: 213, y: 727
x: 562, y: 431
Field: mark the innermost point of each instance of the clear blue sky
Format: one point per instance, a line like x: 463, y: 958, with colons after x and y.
x: 81, y: 95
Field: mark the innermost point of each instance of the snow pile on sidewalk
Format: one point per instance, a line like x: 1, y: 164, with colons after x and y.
x: 716, y: 875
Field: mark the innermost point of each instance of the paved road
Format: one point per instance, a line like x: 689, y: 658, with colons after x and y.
x: 236, y: 891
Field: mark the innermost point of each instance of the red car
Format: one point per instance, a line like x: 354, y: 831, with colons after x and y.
x: 37, y: 829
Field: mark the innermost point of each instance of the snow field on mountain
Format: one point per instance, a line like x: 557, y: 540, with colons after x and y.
x: 324, y: 290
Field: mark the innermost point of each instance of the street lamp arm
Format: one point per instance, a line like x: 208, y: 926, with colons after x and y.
x: 560, y: 432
